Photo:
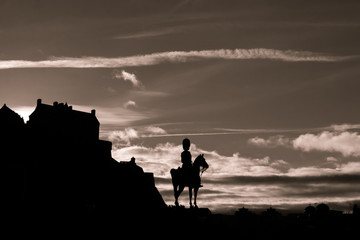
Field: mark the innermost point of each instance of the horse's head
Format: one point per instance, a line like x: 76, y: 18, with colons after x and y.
x: 201, y: 162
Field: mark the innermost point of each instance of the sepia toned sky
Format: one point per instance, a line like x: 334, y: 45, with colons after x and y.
x: 267, y: 90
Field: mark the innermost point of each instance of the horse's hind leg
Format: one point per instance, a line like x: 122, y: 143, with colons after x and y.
x: 177, y: 194
x: 190, y: 197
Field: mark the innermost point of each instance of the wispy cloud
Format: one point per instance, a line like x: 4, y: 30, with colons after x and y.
x: 344, y: 127
x: 347, y: 143
x: 334, y: 138
x: 129, y: 104
x: 175, y: 57
x: 334, y: 127
x: 126, y: 76
x: 121, y: 138
x: 116, y: 116
x: 279, y: 140
x: 271, y: 142
x: 145, y: 34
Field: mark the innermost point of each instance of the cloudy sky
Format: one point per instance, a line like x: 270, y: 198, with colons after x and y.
x: 267, y: 90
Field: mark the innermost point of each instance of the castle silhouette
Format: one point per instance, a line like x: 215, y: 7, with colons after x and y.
x: 55, y: 165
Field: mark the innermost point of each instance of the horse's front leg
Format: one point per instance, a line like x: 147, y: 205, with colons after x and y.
x: 195, y: 196
x: 190, y: 197
x: 176, y: 195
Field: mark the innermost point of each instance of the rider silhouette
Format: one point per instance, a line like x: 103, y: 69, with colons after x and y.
x: 186, y: 160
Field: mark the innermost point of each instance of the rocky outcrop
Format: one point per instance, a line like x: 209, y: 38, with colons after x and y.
x: 56, y: 165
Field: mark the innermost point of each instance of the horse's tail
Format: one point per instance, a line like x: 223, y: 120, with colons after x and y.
x: 174, y: 171
x: 173, y: 175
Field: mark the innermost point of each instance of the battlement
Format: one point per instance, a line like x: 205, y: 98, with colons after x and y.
x: 62, y: 120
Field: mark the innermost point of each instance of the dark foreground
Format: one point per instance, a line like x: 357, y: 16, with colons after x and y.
x: 176, y: 223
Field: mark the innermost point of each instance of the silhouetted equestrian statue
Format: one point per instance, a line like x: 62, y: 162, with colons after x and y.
x: 189, y: 175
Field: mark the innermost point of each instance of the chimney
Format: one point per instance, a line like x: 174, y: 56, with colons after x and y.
x: 39, y: 101
x: 93, y: 112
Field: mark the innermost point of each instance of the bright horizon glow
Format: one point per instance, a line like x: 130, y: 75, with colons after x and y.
x: 24, y: 112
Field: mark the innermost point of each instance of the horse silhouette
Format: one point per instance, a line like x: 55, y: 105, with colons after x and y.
x: 180, y: 180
